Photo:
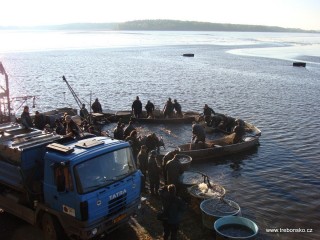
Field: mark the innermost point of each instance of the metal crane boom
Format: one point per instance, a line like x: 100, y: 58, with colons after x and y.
x: 5, y: 113
x: 73, y: 93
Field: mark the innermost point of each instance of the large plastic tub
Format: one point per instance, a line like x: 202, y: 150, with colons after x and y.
x: 203, y: 191
x: 215, y: 208
x: 233, y: 227
x: 185, y: 161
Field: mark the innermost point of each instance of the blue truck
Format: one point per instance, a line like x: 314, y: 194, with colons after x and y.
x: 76, y: 189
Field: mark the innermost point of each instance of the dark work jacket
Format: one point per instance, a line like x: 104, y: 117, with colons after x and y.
x: 60, y: 129
x: 153, y: 169
x: 118, y: 133
x: 73, y: 127
x: 143, y: 162
x: 168, y: 108
x: 39, y: 121
x: 198, y: 132
x: 240, y: 132
x: 173, y: 171
x: 84, y: 113
x: 177, y: 107
x: 149, y: 107
x: 151, y: 142
x: 26, y: 120
x: 137, y: 106
x: 96, y: 107
x: 135, y: 144
x: 207, y: 111
x: 173, y: 206
x: 128, y: 130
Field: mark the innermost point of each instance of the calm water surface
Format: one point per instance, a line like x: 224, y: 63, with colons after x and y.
x: 246, y: 75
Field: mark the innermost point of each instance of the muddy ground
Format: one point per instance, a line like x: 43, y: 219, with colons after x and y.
x: 143, y: 226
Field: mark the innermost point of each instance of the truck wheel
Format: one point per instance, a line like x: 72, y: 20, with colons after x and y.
x: 51, y: 227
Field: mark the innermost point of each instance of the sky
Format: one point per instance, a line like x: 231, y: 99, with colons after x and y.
x: 304, y: 14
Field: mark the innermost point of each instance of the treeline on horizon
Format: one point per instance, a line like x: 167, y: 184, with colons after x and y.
x: 161, y: 25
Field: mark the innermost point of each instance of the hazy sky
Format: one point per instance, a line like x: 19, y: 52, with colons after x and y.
x: 303, y: 14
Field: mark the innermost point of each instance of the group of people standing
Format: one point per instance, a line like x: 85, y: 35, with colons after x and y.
x: 170, y: 109
x: 220, y: 122
x: 39, y: 121
x: 67, y: 127
x: 64, y: 126
x: 129, y: 133
x: 96, y: 108
x: 170, y: 170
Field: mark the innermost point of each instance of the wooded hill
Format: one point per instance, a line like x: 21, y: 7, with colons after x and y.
x: 161, y: 25
x: 174, y: 25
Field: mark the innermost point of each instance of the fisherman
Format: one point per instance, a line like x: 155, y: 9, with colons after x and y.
x: 118, y: 132
x: 26, y: 120
x: 96, y: 106
x: 198, y: 133
x: 149, y: 108
x: 142, y: 164
x: 239, y: 131
x: 134, y: 142
x: 168, y: 109
x: 177, y: 107
x: 137, y: 107
x: 173, y: 208
x: 207, y: 111
x: 153, y: 173
x: 39, y: 120
x: 152, y: 142
x: 72, y: 129
x: 170, y: 155
x: 60, y: 129
x: 225, y: 123
x: 173, y: 170
x: 128, y: 129
x: 84, y: 112
x: 231, y: 123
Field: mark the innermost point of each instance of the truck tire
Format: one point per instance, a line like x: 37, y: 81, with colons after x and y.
x: 51, y: 227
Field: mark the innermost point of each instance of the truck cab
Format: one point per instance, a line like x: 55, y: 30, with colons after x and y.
x: 98, y: 180
x: 87, y: 187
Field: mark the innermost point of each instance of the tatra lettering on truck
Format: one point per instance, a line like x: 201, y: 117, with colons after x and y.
x: 78, y: 189
x: 113, y: 196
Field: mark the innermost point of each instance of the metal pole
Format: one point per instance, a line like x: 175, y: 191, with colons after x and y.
x: 90, y: 117
x: 8, y: 94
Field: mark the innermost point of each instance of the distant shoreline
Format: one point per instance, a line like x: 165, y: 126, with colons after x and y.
x: 161, y: 25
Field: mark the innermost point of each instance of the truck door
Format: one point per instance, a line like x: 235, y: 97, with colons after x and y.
x: 62, y: 195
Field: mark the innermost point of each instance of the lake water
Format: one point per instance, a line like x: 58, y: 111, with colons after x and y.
x: 246, y: 75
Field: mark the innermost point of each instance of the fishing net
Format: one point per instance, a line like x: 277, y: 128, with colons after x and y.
x: 191, y: 178
x: 219, y: 207
x: 226, y: 140
x: 207, y: 190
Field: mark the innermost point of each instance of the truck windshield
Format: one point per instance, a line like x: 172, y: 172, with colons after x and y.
x: 103, y: 170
